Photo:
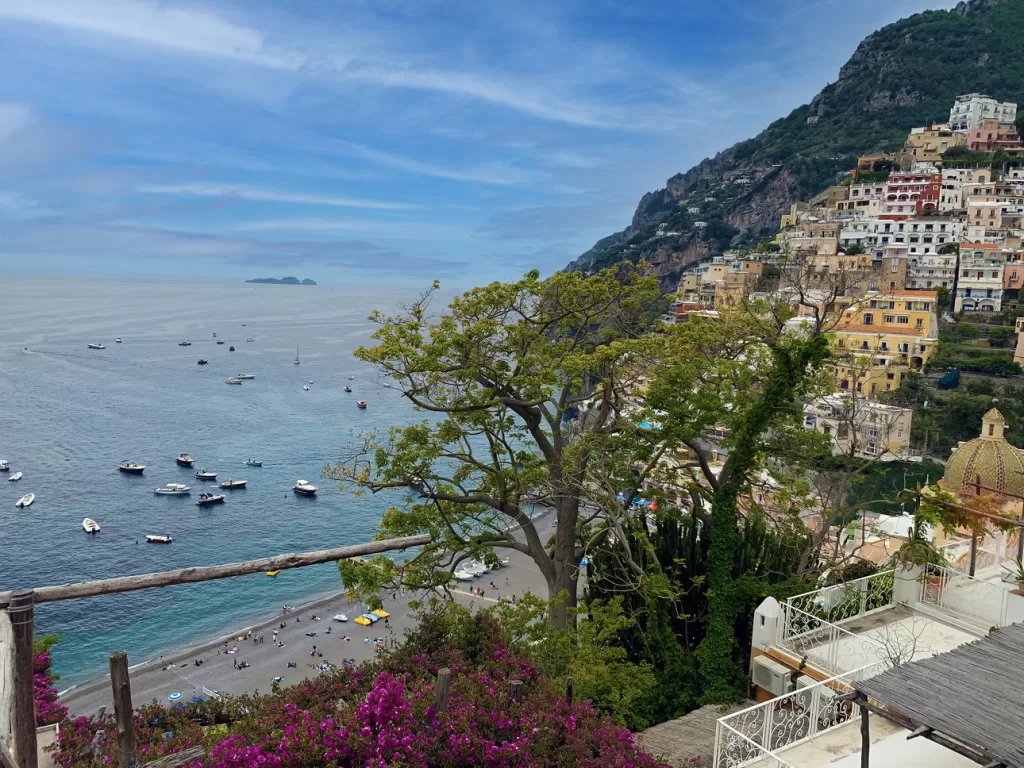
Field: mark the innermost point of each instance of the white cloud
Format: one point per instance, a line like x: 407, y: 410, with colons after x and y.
x: 207, y: 189
x: 498, y: 173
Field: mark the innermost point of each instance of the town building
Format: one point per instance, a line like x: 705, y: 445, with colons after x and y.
x: 911, y: 194
x: 971, y: 109
x: 992, y: 135
x: 926, y: 145
x: 861, y: 428
x: 980, y: 283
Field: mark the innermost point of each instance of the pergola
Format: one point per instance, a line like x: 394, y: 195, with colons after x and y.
x: 969, y: 700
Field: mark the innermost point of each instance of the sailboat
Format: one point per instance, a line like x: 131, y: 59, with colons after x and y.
x: 296, y: 353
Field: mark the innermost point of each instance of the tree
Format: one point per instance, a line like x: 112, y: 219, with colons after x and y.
x: 1000, y: 335
x: 528, y: 387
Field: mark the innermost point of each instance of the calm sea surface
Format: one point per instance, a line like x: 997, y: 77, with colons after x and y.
x: 70, y: 415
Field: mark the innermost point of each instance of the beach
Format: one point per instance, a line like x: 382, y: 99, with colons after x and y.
x: 176, y: 672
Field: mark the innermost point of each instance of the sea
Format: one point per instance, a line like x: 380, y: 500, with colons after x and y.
x: 69, y: 415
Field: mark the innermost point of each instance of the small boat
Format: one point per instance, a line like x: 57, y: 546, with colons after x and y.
x: 348, y: 388
x: 245, y: 376
x: 272, y: 574
x: 231, y: 349
x: 254, y: 463
x: 305, y: 488
x: 173, y: 489
x: 233, y: 484
x: 310, y: 381
x: 305, y: 387
x: 296, y: 354
x: 249, y: 338
x: 387, y: 386
x: 158, y: 539
x: 131, y: 468
x: 5, y: 465
x: 340, y: 617
x: 203, y: 361
x: 351, y: 378
x: 184, y: 343
x: 26, y: 500
x: 215, y: 334
x: 184, y: 460
x: 360, y: 404
x: 90, y: 526
x: 15, y: 476
x: 204, y: 475
x: 210, y: 498
x: 232, y: 380
x: 95, y: 346
x: 117, y: 340
x: 220, y: 341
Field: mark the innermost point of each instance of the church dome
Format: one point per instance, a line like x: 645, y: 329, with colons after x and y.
x: 989, y: 457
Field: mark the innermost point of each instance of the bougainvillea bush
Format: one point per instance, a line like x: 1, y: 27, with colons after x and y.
x: 382, y: 715
x: 48, y: 708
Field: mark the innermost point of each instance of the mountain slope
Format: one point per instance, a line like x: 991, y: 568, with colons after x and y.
x: 904, y: 75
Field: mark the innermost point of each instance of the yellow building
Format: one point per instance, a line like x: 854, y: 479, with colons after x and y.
x: 882, y: 337
x: 927, y: 145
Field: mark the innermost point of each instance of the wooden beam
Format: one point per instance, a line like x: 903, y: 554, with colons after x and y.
x: 922, y: 731
x: 127, y: 745
x: 865, y: 738
x: 212, y: 572
x: 22, y: 612
x: 444, y: 678
x: 178, y: 758
x: 5, y: 756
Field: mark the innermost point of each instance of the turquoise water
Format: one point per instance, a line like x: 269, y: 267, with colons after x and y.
x: 70, y: 415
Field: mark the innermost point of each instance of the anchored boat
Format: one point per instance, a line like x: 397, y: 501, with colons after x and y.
x: 233, y: 484
x: 210, y: 498
x: 26, y: 500
x: 90, y: 526
x: 159, y: 539
x: 173, y: 489
x: 131, y: 468
x: 184, y: 460
x: 305, y: 488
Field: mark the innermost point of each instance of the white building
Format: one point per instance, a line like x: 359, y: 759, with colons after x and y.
x: 980, y: 285
x: 971, y: 108
x: 913, y: 237
x: 859, y: 427
x: 930, y: 271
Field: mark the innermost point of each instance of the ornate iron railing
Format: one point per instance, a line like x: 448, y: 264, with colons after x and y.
x: 849, y: 600
x: 951, y: 591
x: 825, y: 646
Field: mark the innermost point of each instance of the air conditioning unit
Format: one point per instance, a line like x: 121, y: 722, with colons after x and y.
x: 774, y: 677
x: 804, y: 697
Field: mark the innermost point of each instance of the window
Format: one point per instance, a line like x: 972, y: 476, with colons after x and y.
x: 903, y: 320
x: 892, y: 285
x: 919, y: 324
x: 869, y: 319
x: 895, y: 267
x: 890, y: 318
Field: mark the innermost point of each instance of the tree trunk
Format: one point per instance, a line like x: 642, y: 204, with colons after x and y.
x: 563, y: 583
x: 566, y: 567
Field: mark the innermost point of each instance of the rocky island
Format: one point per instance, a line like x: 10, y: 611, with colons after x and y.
x: 282, y: 281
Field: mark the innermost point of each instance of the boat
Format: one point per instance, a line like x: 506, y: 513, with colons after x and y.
x: 131, y: 468
x: 184, y: 460
x: 387, y: 386
x: 26, y: 500
x: 220, y: 341
x: 15, y: 476
x: 272, y: 574
x: 204, y: 475
x: 215, y: 334
x: 310, y: 381
x: 254, y: 463
x: 351, y: 378
x: 173, y: 489
x: 249, y: 338
x: 348, y: 388
x: 210, y: 498
x: 245, y: 376
x: 233, y: 484
x: 117, y: 340
x: 305, y: 488
x: 340, y: 617
x: 184, y: 343
x: 305, y: 387
x: 367, y: 619
x: 203, y: 361
x: 231, y: 349
x: 95, y: 346
x: 90, y: 526
x: 232, y: 380
x: 296, y: 354
x: 158, y: 539
x: 5, y: 465
x: 360, y: 404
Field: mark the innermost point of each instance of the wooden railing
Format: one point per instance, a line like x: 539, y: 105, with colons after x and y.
x: 18, y: 748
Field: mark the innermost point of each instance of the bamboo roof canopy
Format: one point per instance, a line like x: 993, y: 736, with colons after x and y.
x: 973, y: 695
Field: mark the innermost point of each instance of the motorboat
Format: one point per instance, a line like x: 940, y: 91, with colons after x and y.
x: 90, y: 526
x: 215, y: 334
x: 245, y: 375
x: 117, y: 340
x: 249, y: 339
x: 296, y: 354
x: 232, y: 380
x: 348, y: 388
x: 173, y: 489
x: 158, y: 539
x: 15, y: 476
x: 210, y: 498
x: 184, y: 343
x: 463, y: 575
x: 204, y: 475
x: 131, y: 468
x: 310, y: 381
x: 351, y: 378
x: 340, y: 617
x: 220, y: 341
x: 5, y: 465
x: 95, y: 346
x: 254, y: 463
x: 26, y: 500
x: 203, y: 361
x: 360, y: 404
x: 184, y: 460
x: 387, y: 386
x: 305, y: 488
x: 232, y: 485
x: 231, y: 349
x: 305, y: 387
x: 273, y: 574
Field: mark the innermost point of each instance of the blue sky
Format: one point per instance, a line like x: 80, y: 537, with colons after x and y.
x: 378, y: 140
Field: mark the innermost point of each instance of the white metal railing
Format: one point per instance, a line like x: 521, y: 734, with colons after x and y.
x: 824, y: 645
x: 756, y: 735
x: 951, y: 591
x: 849, y: 600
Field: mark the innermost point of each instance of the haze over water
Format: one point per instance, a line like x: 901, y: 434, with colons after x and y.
x: 70, y: 415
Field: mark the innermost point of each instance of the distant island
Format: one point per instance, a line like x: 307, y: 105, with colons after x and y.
x: 282, y: 281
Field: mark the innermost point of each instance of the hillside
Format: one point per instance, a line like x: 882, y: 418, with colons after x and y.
x: 904, y: 75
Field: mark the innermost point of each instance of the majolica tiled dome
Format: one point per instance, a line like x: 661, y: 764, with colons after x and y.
x: 990, y: 457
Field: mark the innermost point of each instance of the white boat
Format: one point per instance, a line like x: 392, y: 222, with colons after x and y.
x: 296, y: 354
x: 117, y: 340
x: 475, y: 567
x: 249, y: 338
x: 26, y: 500
x: 210, y: 498
x: 310, y: 381
x: 232, y: 380
x: 463, y: 575
x: 232, y: 484
x: 305, y: 387
x: 15, y: 476
x: 90, y: 526
x: 95, y: 346
x: 340, y: 617
x: 245, y: 376
x: 202, y: 474
x: 305, y: 488
x: 184, y: 343
x: 158, y: 539
x: 351, y: 378
x: 5, y: 465
x: 173, y: 489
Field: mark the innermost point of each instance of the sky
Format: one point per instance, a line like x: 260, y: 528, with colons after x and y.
x: 387, y: 141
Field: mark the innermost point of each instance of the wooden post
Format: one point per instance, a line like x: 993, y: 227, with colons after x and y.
x: 22, y: 612
x: 515, y: 690
x: 568, y: 690
x: 974, y: 554
x: 865, y: 737
x: 127, y: 747
x: 444, y: 677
